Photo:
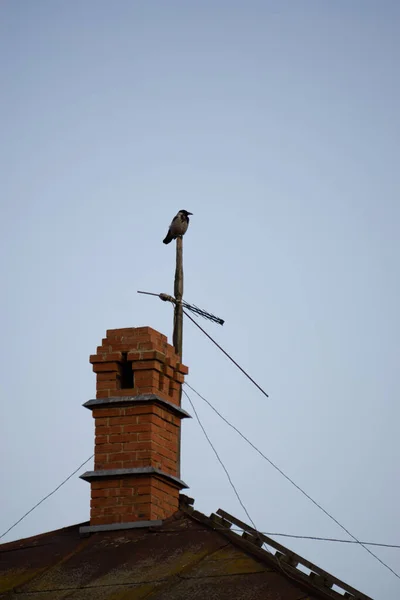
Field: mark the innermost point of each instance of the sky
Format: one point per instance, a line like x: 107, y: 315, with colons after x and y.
x: 277, y: 124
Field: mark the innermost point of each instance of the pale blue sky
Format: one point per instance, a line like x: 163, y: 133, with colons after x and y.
x: 277, y: 124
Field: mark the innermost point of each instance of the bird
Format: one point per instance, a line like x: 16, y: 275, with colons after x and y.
x: 178, y: 227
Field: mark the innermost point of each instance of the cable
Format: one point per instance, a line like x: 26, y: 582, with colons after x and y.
x: 219, y: 459
x: 287, y: 535
x: 323, y: 539
x: 226, y: 354
x: 45, y: 498
x: 293, y: 483
x: 264, y: 546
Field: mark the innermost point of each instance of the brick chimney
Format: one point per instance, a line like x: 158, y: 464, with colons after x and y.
x: 137, y: 417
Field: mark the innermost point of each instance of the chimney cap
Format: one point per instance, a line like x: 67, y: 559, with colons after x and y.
x: 140, y: 399
x: 118, y: 473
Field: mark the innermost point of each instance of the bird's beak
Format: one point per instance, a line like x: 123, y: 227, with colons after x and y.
x: 190, y: 213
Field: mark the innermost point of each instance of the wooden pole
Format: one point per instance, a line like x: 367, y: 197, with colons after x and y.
x: 178, y: 293
x: 178, y: 321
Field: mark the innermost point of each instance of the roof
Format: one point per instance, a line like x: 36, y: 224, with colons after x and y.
x: 187, y: 556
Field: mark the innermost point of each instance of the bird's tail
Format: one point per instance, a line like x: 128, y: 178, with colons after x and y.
x: 168, y: 238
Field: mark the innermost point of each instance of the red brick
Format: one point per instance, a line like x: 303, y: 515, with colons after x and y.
x: 151, y: 389
x: 108, y: 429
x: 143, y: 445
x: 144, y: 420
x: 169, y: 464
x: 129, y: 446
x: 122, y: 331
x: 140, y: 409
x: 170, y: 419
x: 143, y: 499
x: 107, y: 412
x: 147, y: 379
x: 161, y: 485
x: 100, y: 493
x: 100, y: 520
x: 156, y: 355
x: 137, y: 428
x: 125, y: 510
x: 102, y: 367
x: 154, y: 419
x: 147, y: 330
x: 134, y: 355
x: 146, y: 365
x: 107, y: 385
x: 124, y: 492
x: 106, y: 448
x: 100, y: 456
x: 123, y: 438
x: 132, y: 342
x: 163, y: 385
x: 179, y: 377
x: 160, y: 412
x: 165, y: 453
x: 108, y: 511
x: 101, y: 439
x: 135, y: 464
x: 108, y: 376
x: 174, y: 398
x: 127, y: 501
x: 143, y: 454
x: 126, y: 392
x: 166, y: 444
x: 173, y: 427
x: 119, y: 456
x: 105, y: 357
x: 168, y: 372
x: 126, y: 420
x: 102, y: 502
x: 105, y: 484
x: 125, y: 346
x: 145, y: 336
x: 146, y: 346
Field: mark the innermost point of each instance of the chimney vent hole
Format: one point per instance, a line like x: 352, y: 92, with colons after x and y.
x: 126, y: 372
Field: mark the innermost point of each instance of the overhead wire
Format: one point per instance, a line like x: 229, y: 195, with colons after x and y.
x: 324, y: 539
x: 292, y: 482
x: 226, y: 354
x: 45, y: 497
x: 273, y: 534
x: 219, y: 458
x: 281, y: 566
x: 286, y: 535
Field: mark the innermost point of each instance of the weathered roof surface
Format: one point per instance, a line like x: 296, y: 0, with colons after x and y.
x: 189, y: 556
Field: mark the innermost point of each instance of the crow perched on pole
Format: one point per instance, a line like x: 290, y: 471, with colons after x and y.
x: 178, y: 226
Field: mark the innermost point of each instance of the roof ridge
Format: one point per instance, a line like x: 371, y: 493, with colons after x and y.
x: 283, y: 560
